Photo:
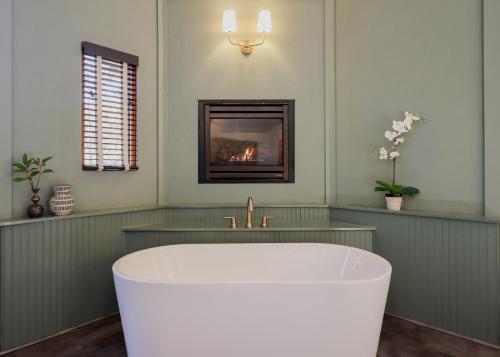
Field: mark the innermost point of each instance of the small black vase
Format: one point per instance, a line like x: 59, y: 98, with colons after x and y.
x: 36, y: 209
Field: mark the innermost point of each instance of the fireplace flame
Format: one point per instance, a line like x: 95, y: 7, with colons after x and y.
x: 247, y: 155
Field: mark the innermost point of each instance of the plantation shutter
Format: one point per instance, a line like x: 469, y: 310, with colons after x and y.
x: 109, y: 110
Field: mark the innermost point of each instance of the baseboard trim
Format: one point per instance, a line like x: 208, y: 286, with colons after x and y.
x: 445, y: 331
x: 63, y: 332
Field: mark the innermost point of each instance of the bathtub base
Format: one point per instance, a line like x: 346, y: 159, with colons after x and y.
x: 265, y: 321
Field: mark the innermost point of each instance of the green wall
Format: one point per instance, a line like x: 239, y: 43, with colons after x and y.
x: 6, y: 107
x: 423, y: 56
x: 372, y: 60
x: 200, y: 64
x: 47, y: 96
x: 492, y: 106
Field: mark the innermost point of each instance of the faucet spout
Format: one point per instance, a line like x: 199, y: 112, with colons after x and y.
x: 249, y: 213
x: 250, y: 204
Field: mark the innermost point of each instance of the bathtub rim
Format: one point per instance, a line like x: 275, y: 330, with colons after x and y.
x: 386, y: 274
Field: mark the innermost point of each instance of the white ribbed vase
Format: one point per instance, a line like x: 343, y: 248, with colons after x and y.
x: 62, y: 202
x: 394, y: 203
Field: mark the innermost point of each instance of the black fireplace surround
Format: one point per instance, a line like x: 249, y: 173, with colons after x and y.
x: 248, y: 141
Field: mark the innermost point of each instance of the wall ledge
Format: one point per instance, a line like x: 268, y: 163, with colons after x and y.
x: 243, y: 205
x: 24, y: 220
x: 428, y: 214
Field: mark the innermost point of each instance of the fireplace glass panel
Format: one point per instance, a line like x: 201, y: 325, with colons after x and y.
x: 246, y: 142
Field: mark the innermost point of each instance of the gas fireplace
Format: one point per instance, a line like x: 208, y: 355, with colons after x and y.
x: 246, y: 141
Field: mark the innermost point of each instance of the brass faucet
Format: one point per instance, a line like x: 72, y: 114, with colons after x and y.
x: 232, y: 225
x: 264, y: 223
x: 249, y: 213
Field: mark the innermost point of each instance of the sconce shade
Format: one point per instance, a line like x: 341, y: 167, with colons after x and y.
x: 264, y: 22
x: 229, y: 21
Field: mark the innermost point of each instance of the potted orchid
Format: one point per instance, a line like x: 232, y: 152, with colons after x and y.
x: 396, y: 137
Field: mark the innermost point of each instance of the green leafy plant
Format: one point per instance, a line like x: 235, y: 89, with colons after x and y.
x: 31, y: 169
x: 394, y: 190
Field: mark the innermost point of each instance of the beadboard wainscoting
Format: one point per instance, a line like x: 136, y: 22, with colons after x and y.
x: 446, y: 270
x: 215, y: 214
x: 198, y: 224
x: 138, y: 240
x: 56, y: 272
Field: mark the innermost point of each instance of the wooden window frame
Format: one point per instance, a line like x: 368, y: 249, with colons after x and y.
x: 129, y: 64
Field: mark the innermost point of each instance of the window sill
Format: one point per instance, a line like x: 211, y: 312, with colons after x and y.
x: 109, y: 168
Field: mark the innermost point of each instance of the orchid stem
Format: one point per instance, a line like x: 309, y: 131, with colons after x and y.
x: 394, y: 171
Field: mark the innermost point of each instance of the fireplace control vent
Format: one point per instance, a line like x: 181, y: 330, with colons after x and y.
x: 246, y: 141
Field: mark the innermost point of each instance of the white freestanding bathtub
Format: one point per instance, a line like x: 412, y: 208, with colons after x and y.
x: 252, y: 300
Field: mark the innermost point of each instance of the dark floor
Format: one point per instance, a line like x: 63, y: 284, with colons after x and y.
x: 399, y: 338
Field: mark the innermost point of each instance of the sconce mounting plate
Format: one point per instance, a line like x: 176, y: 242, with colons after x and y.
x: 246, y: 47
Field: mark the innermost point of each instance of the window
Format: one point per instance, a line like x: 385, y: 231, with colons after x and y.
x: 109, y: 109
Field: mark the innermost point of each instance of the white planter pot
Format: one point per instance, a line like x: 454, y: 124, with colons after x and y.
x: 394, y: 203
x: 62, y: 202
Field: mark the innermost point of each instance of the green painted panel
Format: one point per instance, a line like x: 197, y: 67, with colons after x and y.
x: 67, y: 24
x: 6, y: 77
x: 273, y: 226
x: 442, y: 80
x: 216, y: 215
x: 56, y: 274
x: 286, y: 72
x: 491, y: 47
x: 445, y: 271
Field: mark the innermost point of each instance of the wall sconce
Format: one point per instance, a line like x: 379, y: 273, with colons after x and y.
x: 229, y: 26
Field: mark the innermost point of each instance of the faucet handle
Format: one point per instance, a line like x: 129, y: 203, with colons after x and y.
x: 232, y: 225
x: 264, y: 221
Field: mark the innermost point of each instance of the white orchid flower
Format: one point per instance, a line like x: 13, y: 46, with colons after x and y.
x: 399, y: 126
x: 412, y: 116
x: 399, y: 141
x: 394, y: 154
x: 408, y: 122
x: 391, y: 135
x: 382, y: 154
